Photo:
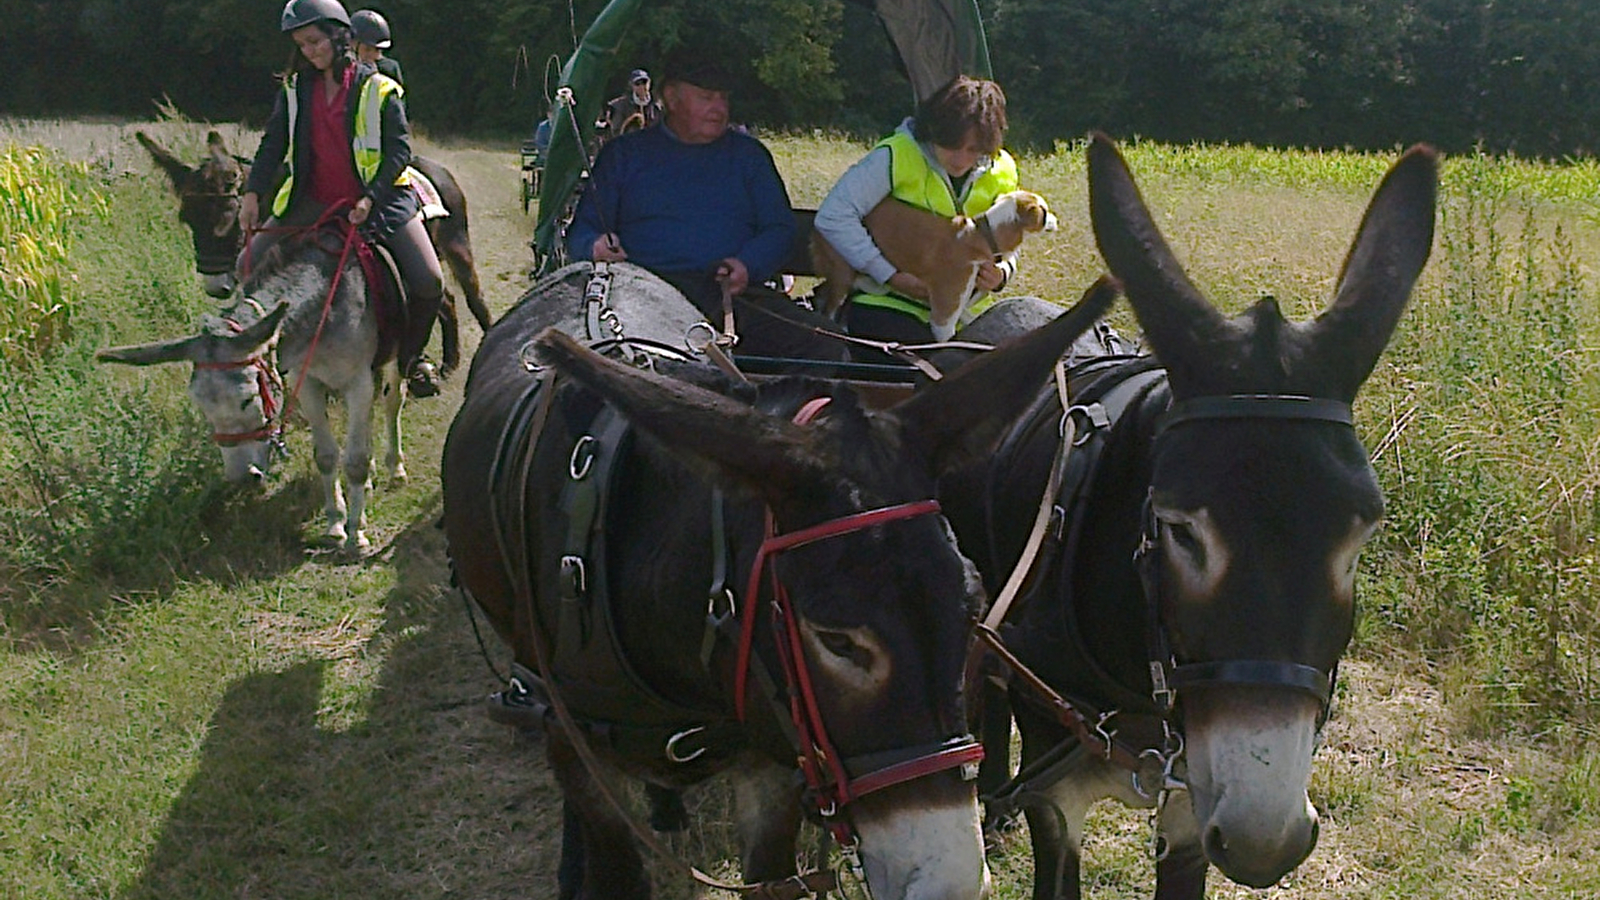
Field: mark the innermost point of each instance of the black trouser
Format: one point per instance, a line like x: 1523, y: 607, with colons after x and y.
x: 768, y: 322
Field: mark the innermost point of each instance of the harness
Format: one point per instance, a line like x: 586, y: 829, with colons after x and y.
x: 583, y: 663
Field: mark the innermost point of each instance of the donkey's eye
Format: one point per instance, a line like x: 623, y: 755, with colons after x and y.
x: 845, y: 647
x: 1184, y: 538
x: 245, y: 403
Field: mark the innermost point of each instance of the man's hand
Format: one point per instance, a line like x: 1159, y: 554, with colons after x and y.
x: 990, y: 276
x: 359, y: 212
x: 733, y: 276
x: 249, y: 212
x: 607, y: 249
x: 909, y: 285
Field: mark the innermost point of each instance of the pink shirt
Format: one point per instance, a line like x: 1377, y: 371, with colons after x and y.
x: 333, y: 170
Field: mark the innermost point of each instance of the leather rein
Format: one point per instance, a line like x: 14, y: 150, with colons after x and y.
x: 269, y: 383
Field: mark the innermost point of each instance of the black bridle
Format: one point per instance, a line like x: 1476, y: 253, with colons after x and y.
x: 1168, y: 676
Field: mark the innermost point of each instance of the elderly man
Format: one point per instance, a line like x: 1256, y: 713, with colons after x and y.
x: 704, y: 208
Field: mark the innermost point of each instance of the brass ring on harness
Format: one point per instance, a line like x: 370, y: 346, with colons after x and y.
x: 696, y: 344
x: 1069, y: 420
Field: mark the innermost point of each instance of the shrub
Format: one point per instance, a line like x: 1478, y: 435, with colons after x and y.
x: 40, y: 197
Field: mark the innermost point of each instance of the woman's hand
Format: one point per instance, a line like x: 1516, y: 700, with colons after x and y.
x: 359, y: 212
x: 249, y: 212
x: 990, y: 276
x: 909, y: 285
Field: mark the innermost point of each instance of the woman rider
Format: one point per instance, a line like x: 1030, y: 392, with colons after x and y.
x: 946, y: 159
x: 339, y: 131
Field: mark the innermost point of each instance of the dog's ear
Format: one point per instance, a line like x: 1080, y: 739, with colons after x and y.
x: 1035, y: 213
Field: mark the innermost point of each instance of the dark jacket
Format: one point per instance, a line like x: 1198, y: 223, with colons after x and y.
x: 392, y: 206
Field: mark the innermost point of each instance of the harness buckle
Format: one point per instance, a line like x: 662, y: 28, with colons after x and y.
x: 574, y: 575
x: 1163, y: 695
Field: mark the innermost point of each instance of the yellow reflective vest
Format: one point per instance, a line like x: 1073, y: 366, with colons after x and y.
x: 913, y: 180
x: 366, y: 132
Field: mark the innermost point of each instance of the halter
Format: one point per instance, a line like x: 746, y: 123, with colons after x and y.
x: 268, y: 385
x: 1167, y: 675
x: 827, y: 775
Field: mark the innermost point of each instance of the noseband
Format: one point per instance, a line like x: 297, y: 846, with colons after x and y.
x: 1168, y: 676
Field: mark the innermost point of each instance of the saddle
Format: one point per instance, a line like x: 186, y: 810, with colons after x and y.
x: 432, y: 204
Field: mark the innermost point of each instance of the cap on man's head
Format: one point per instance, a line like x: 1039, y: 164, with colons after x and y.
x: 638, y: 75
x: 701, y: 73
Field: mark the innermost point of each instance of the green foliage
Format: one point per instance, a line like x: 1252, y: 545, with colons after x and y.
x: 41, y: 199
x: 1491, y: 480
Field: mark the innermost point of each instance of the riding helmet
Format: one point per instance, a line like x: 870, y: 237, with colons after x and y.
x: 300, y: 13
x: 368, y: 26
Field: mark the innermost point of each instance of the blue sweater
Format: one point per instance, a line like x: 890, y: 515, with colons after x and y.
x: 681, y: 208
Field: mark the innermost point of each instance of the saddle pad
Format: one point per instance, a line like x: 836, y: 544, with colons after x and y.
x: 432, y: 203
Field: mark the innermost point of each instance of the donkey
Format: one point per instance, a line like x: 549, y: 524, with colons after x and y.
x: 593, y: 552
x: 1196, y: 589
x: 300, y: 313
x: 208, y: 197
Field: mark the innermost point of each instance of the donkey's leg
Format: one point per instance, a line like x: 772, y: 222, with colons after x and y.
x: 1055, y: 822
x: 449, y: 334
x: 358, y: 400
x: 456, y: 249
x: 767, y: 807
x: 1181, y: 875
x: 391, y: 389
x: 313, y: 400
x: 602, y: 863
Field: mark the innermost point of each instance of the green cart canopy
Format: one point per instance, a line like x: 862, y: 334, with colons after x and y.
x: 936, y: 40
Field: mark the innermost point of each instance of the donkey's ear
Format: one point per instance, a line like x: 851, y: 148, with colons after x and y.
x: 216, y: 145
x: 747, y: 448
x: 177, y: 171
x: 184, y: 349
x: 962, y: 417
x: 245, y: 340
x: 1171, y: 310
x: 1385, y: 259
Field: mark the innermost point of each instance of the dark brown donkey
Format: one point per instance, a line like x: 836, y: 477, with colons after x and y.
x: 1199, y: 588
x: 840, y: 610
x: 208, y: 198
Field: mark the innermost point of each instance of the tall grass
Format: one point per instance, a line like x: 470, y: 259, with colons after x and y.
x: 1491, y: 460
x: 41, y: 197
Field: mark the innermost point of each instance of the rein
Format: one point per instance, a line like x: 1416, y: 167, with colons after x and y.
x: 267, y: 376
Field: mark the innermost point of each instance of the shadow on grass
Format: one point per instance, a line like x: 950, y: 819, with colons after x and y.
x: 424, y: 798
x: 212, y: 532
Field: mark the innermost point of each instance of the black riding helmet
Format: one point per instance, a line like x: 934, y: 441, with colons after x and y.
x: 300, y: 13
x: 368, y: 26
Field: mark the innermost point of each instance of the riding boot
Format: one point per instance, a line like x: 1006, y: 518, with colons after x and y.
x: 422, y: 379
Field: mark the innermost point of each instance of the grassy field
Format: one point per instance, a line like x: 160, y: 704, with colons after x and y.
x: 194, y: 704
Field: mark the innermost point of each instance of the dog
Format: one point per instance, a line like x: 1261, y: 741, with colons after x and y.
x: 944, y: 252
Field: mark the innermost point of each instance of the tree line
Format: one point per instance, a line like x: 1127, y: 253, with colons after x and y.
x: 1504, y: 75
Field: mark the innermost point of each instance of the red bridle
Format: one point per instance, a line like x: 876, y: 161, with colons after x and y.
x: 829, y: 783
x: 267, y: 382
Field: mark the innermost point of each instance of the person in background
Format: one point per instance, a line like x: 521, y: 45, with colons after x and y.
x: 634, y: 110
x: 946, y: 159
x: 705, y: 209
x: 369, y: 32
x: 330, y: 163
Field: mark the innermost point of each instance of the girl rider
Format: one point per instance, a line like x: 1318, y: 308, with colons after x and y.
x: 339, y: 131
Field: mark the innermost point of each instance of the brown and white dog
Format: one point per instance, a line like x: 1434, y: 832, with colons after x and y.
x: 943, y: 252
